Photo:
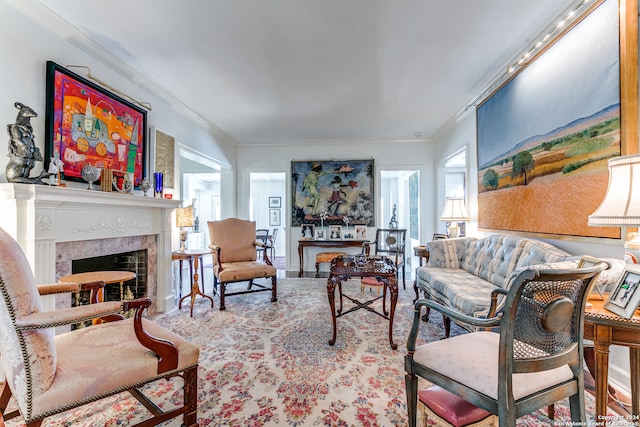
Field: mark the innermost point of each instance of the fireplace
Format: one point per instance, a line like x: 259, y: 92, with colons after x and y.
x: 56, y: 226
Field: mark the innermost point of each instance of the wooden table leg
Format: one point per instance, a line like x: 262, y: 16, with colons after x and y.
x: 195, y: 288
x: 634, y: 360
x: 393, y: 291
x: 602, y: 340
x: 331, y: 293
x: 301, y: 258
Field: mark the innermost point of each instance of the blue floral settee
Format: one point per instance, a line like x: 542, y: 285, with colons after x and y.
x: 462, y: 273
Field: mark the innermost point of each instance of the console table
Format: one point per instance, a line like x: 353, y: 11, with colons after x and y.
x: 606, y: 328
x: 326, y: 244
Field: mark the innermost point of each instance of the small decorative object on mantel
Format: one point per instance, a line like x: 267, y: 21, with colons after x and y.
x: 56, y: 169
x: 90, y: 174
x: 23, y: 153
x: 145, y: 185
x: 158, y: 184
x: 107, y: 180
x: 121, y: 181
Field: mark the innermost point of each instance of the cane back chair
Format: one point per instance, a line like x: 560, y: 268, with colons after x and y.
x: 533, y: 361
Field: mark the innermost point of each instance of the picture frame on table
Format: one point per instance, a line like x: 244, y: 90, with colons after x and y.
x: 320, y: 235
x: 274, y: 217
x: 348, y: 234
x: 275, y: 202
x: 88, y: 124
x: 308, y: 231
x: 587, y: 261
x: 361, y: 232
x: 625, y: 297
x: 335, y: 232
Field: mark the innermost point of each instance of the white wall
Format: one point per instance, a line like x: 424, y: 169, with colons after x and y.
x: 393, y: 155
x: 26, y: 46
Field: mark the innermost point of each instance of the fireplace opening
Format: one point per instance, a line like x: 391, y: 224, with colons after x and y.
x: 134, y: 261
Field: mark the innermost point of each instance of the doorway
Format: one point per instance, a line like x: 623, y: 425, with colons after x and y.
x: 267, y: 207
x: 399, y: 207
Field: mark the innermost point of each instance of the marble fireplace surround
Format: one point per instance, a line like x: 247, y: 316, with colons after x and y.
x: 55, y: 225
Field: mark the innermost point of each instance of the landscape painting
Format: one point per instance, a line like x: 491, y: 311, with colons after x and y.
x: 544, y: 138
x: 336, y: 192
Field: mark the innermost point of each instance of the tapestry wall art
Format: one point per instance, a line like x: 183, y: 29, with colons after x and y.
x: 545, y: 137
x: 325, y: 192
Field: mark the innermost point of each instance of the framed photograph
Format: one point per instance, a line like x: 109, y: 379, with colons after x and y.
x: 308, y: 231
x: 625, y: 297
x: 587, y: 261
x: 348, y: 234
x: 87, y: 124
x: 544, y: 137
x: 361, y: 232
x: 274, y: 217
x: 324, y: 192
x: 320, y: 235
x: 335, y: 232
x: 438, y: 236
x: 275, y: 202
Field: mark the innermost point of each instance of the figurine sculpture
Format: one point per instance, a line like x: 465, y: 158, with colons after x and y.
x: 23, y: 153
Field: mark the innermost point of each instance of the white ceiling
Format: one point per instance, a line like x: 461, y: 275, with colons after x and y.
x: 302, y: 70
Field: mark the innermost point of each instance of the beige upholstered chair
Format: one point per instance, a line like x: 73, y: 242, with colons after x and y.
x: 534, y: 360
x: 48, y: 374
x: 234, y: 244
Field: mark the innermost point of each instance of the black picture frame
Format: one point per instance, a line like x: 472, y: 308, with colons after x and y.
x: 88, y: 124
x: 625, y: 297
x: 275, y: 202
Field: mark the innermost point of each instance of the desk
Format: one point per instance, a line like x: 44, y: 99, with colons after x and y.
x: 196, y: 256
x: 345, y: 267
x: 326, y: 244
x: 606, y: 328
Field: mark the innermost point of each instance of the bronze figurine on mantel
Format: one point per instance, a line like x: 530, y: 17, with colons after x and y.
x: 23, y: 153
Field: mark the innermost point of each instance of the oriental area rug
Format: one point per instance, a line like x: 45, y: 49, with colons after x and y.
x: 270, y: 364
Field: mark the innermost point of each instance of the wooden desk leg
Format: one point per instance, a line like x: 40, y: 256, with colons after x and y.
x: 180, y: 290
x: 301, y: 258
x: 634, y: 359
x: 601, y: 342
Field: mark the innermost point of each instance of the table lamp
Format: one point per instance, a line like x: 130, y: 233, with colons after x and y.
x: 621, y: 204
x: 454, y: 211
x: 184, y: 218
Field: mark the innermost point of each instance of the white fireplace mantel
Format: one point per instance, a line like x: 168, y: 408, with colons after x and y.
x: 39, y: 216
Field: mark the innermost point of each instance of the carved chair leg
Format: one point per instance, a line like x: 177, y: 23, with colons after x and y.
x: 189, y: 418
x: 411, y: 384
x: 223, y: 289
x: 317, y: 269
x: 4, y: 397
x: 274, y: 289
x: 447, y: 325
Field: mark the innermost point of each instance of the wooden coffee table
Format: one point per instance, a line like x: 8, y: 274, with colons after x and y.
x: 345, y: 267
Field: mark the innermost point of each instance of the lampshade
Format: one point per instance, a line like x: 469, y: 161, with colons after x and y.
x: 454, y: 210
x: 184, y: 217
x: 621, y: 204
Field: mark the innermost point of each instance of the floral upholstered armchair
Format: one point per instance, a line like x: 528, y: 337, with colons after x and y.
x: 48, y: 373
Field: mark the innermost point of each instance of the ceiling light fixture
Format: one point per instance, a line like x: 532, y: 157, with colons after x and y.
x: 571, y: 16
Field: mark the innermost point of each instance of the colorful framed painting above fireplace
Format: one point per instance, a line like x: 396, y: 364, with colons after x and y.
x: 87, y: 124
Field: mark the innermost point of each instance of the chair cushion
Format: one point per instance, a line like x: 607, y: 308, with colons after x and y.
x: 122, y: 361
x: 371, y: 281
x: 235, y: 237
x: 451, y: 408
x: 239, y: 271
x: 327, y: 256
x: 478, y: 369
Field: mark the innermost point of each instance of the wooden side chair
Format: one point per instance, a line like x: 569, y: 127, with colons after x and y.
x: 234, y: 244
x: 389, y: 242
x: 533, y: 361
x: 48, y: 374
